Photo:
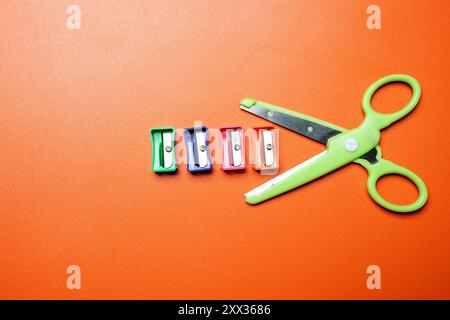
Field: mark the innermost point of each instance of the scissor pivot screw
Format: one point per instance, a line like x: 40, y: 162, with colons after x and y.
x: 237, y: 147
x: 202, y: 148
x: 351, y: 144
x: 269, y: 147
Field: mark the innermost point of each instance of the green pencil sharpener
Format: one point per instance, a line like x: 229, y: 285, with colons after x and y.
x: 163, y: 149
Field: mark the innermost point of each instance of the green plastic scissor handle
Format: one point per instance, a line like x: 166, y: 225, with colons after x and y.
x: 382, y: 120
x: 385, y: 167
x: 350, y: 146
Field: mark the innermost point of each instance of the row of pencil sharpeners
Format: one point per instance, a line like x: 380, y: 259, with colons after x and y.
x: 263, y: 151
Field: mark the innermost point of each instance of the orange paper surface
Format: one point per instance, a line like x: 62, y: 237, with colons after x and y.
x: 76, y: 187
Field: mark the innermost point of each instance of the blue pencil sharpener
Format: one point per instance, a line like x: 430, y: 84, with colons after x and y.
x: 198, y: 156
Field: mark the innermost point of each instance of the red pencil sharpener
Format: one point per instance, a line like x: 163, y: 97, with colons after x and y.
x: 233, y: 148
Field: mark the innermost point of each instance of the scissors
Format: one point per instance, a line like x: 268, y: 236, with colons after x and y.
x: 358, y: 145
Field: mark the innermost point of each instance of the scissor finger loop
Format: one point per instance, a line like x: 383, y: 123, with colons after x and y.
x: 382, y: 120
x: 384, y: 168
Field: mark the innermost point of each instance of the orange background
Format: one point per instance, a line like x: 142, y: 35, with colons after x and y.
x: 76, y: 185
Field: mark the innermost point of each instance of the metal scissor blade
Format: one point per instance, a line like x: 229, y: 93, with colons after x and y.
x: 315, y: 129
x: 253, y: 196
x: 307, y: 128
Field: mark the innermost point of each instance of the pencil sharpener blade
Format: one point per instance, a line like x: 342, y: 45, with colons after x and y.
x: 266, y: 149
x: 233, y: 148
x: 163, y: 149
x: 198, y: 156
